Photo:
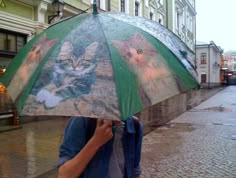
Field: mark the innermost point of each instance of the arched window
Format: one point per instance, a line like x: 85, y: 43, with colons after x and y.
x: 136, y: 8
x: 151, y: 16
x: 108, y: 5
x: 122, y: 5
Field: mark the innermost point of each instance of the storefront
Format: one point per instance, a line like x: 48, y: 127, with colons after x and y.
x: 10, y: 43
x: 17, y: 27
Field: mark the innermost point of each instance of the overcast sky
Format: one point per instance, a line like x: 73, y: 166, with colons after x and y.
x: 216, y: 21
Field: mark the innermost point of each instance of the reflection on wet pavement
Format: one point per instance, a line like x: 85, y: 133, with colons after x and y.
x: 214, y: 108
x: 166, y: 139
x: 32, y: 150
x: 233, y: 137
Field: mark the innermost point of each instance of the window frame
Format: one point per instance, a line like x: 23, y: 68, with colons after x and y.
x: 203, y: 58
x: 151, y: 15
x: 8, y: 53
x: 203, y: 78
x: 136, y: 8
x: 122, y: 6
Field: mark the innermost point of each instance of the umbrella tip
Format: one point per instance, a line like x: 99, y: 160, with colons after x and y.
x: 95, y: 10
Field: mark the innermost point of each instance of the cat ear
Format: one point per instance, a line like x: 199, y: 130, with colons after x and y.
x: 65, y: 51
x: 51, y: 42
x: 44, y: 45
x: 90, y: 51
x: 142, y: 43
x: 121, y: 46
x: 47, y: 42
x: 138, y: 37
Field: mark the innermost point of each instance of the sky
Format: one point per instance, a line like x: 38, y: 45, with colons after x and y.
x: 216, y: 21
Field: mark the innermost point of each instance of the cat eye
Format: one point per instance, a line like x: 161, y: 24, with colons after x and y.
x: 129, y: 54
x: 139, y: 51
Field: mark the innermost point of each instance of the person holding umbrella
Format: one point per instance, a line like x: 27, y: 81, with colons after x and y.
x: 94, y: 148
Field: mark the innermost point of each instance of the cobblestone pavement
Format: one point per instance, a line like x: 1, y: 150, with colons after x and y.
x: 200, y: 143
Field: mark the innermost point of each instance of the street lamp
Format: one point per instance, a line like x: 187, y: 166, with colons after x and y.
x: 58, y: 6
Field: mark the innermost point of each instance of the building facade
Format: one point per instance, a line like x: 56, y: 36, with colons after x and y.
x: 209, y: 57
x: 181, y: 19
x: 21, y: 20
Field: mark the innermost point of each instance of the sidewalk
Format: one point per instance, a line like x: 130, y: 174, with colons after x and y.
x: 200, y: 143
x: 31, y: 151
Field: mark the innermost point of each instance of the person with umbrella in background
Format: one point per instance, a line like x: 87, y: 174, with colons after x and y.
x: 94, y: 148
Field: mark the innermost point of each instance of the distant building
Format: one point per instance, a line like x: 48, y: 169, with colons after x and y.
x: 230, y: 60
x: 209, y: 57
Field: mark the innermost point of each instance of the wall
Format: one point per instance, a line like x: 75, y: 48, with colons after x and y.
x: 169, y: 109
x: 18, y: 8
x: 202, y: 68
x: 211, y: 68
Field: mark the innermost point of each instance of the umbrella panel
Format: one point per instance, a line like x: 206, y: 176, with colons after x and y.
x: 89, y: 68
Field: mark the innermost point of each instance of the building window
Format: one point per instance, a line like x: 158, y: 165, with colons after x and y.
x: 122, y: 5
x: 11, y: 43
x: 136, y: 8
x: 98, y: 4
x: 151, y: 16
x: 203, y: 78
x: 203, y: 58
x: 108, y: 5
x: 179, y: 19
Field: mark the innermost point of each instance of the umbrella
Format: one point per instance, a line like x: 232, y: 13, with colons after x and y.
x: 107, y: 65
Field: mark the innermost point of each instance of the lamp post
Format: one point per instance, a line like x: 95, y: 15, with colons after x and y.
x: 58, y: 6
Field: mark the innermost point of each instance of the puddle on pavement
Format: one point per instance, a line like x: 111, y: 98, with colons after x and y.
x: 232, y: 137
x: 167, y: 138
x: 214, y: 108
x: 225, y: 124
x: 32, y: 150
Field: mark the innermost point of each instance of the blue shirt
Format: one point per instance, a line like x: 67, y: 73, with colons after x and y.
x: 75, y: 138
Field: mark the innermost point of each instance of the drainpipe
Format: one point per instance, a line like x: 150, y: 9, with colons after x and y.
x: 167, y: 14
x: 195, y: 38
x: 209, y: 65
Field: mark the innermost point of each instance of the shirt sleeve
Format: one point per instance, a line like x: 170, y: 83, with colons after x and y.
x: 138, y: 145
x: 74, y: 139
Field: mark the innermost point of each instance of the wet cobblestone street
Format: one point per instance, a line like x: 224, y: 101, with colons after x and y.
x: 200, y: 143
x: 31, y: 150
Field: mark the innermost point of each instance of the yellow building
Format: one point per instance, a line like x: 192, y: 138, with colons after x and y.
x: 20, y: 20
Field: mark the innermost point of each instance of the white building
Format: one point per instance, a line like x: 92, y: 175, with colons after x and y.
x: 155, y: 10
x: 181, y: 19
x: 208, y: 58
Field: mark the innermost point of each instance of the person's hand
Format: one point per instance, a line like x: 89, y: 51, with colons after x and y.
x: 103, y: 132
